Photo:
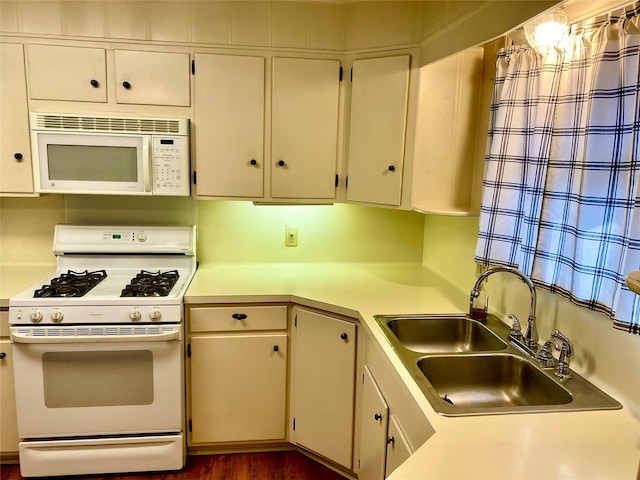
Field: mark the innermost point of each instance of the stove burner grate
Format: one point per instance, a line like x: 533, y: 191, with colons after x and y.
x: 151, y: 284
x: 71, y: 284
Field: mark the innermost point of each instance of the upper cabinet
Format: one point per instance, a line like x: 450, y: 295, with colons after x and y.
x: 80, y: 74
x: 15, y: 150
x: 229, y: 125
x: 377, y: 129
x: 152, y: 78
x: 67, y: 73
x: 451, y: 134
x: 304, y: 128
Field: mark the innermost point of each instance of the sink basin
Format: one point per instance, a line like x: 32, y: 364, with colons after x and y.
x: 490, y: 381
x: 464, y: 367
x: 443, y: 335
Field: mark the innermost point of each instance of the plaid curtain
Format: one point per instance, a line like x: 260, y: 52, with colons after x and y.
x: 562, y: 171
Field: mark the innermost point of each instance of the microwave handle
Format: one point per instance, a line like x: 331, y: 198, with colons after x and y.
x: 148, y: 163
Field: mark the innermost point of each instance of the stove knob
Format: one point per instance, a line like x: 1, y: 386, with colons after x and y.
x: 36, y: 316
x: 135, y: 314
x: 154, y: 314
x: 56, y: 316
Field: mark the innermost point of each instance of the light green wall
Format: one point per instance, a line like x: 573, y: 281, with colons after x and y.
x: 246, y: 233
x: 227, y: 231
x: 449, y: 245
x: 26, y: 229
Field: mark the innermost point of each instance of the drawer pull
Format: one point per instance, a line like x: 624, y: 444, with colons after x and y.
x: 276, y: 348
x: 239, y: 316
x: 378, y: 417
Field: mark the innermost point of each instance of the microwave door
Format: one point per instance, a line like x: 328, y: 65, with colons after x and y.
x: 107, y: 164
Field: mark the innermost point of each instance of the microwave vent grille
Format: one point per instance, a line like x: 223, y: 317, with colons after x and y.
x: 108, y: 124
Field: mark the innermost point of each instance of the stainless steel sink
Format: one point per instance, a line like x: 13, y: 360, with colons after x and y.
x: 466, y: 368
x: 444, y: 334
x: 490, y: 381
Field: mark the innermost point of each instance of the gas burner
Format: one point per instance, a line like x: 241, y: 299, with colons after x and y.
x: 151, y: 284
x: 71, y: 284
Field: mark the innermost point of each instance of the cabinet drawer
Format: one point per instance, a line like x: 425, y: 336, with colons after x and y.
x: 239, y: 318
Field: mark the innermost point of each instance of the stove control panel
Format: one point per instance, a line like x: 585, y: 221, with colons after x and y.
x: 124, y: 237
x: 69, y: 315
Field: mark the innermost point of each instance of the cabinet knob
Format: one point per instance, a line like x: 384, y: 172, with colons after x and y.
x: 377, y: 416
x: 276, y: 348
x: 126, y: 85
x: 253, y: 162
x: 3, y: 355
x: 94, y: 83
x: 344, y: 336
x: 391, y: 440
x: 281, y: 163
x: 392, y: 168
x: 239, y: 316
x: 17, y: 156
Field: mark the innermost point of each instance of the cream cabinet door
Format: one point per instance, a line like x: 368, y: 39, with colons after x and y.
x: 322, y: 385
x: 379, y: 93
x: 67, y: 73
x: 152, y: 78
x: 15, y: 152
x: 238, y: 387
x: 8, y: 419
x: 447, y: 151
x: 373, y: 430
x: 229, y: 125
x: 398, y: 449
x: 304, y: 128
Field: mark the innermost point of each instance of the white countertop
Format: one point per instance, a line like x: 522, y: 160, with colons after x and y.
x: 576, y: 445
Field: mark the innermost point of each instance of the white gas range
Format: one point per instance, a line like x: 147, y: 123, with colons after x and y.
x: 98, y: 352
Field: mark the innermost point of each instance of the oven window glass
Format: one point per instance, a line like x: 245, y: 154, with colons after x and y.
x: 97, y: 379
x: 92, y: 163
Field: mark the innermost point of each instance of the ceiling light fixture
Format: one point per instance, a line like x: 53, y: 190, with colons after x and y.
x: 547, y: 31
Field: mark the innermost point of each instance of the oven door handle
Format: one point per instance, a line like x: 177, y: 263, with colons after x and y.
x: 21, y: 337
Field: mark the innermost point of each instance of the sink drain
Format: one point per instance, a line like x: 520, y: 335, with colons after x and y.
x: 447, y: 399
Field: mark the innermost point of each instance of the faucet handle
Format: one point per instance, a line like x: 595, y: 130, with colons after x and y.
x: 545, y: 355
x: 516, y: 330
x: 566, y: 352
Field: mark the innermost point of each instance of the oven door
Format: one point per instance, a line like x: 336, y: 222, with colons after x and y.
x: 97, y: 380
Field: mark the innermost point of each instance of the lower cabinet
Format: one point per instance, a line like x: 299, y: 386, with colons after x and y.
x: 322, y: 385
x: 8, y: 419
x: 237, y: 360
x: 383, y: 446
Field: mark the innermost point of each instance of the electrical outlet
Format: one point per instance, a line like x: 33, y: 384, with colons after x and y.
x: 290, y: 237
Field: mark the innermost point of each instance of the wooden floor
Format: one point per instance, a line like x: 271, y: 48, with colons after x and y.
x: 240, y: 466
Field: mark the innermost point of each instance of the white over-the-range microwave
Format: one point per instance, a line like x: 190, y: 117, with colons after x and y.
x: 110, y: 155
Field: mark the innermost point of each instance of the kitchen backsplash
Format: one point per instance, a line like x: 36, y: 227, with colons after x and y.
x: 227, y: 231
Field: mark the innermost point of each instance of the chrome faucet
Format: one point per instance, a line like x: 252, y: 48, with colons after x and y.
x: 531, y: 334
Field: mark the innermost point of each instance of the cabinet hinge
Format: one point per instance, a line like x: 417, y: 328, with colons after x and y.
x: 359, y: 464
x: 193, y: 67
x: 337, y: 177
x: 295, y: 321
x: 346, y: 182
x: 340, y: 76
x: 194, y: 177
x: 352, y: 74
x: 189, y: 350
x: 363, y: 378
x: 294, y: 424
x: 190, y: 426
